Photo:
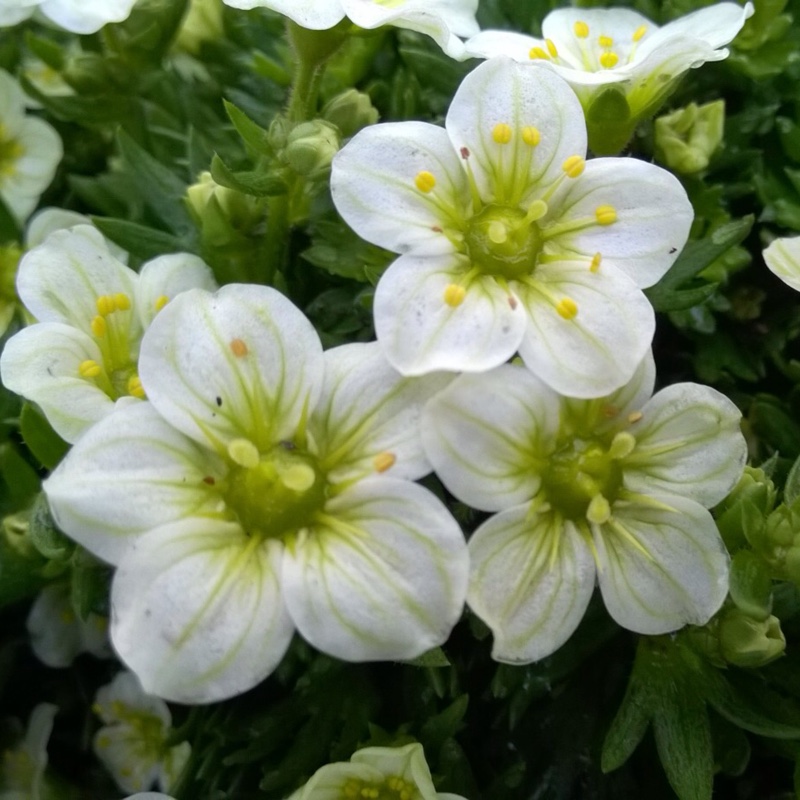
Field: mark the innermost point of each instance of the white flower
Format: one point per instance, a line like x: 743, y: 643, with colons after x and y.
x: 78, y: 16
x: 396, y: 772
x: 149, y: 796
x: 30, y: 151
x: 132, y: 744
x: 22, y: 769
x: 442, y: 20
x: 783, y: 259
x: 58, y: 635
x: 614, y: 488
x: 597, y: 49
x: 81, y: 357
x: 509, y: 239
x: 264, y: 488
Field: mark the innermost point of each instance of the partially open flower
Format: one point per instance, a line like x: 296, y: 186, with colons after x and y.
x: 782, y: 257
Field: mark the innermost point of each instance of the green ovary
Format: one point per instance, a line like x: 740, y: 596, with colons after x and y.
x: 579, y: 472
x: 10, y: 152
x: 279, y: 495
x: 502, y: 241
x: 391, y: 788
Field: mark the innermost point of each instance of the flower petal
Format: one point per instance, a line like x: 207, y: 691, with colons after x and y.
x: 315, y: 15
x: 531, y: 579
x: 596, y: 350
x: 688, y: 442
x: 197, y: 611
x: 369, y: 413
x: 407, y: 762
x: 503, y: 92
x: 381, y: 575
x: 653, y: 217
x: 129, y: 473
x: 783, y: 259
x: 489, y: 44
x: 420, y: 332
x: 661, y: 568
x: 86, y: 17
x: 485, y: 433
x: 374, y: 187
x: 244, y: 362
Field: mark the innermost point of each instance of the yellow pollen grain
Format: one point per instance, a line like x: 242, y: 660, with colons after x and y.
x: 99, y: 327
x: 122, y: 301
x: 574, y: 166
x: 531, y: 135
x: 384, y: 461
x: 538, y: 52
x: 89, y: 369
x: 454, y: 295
x: 551, y: 48
x: 105, y: 305
x: 135, y: 388
x: 635, y: 416
x: 160, y: 302
x: 425, y: 181
x: 605, y: 41
x: 581, y: 29
x: 567, y: 308
x: 609, y: 59
x: 605, y: 215
x: 238, y: 348
x: 639, y: 33
x: 596, y: 260
x: 501, y: 133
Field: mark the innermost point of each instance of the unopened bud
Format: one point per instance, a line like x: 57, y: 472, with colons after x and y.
x: 202, y: 23
x: 747, y: 642
x: 350, y: 111
x: 687, y: 138
x: 310, y: 148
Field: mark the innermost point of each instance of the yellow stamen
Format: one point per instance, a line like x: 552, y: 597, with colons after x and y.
x: 425, y: 181
x: 454, y: 295
x: 538, y: 52
x: 595, y: 265
x: 135, y: 388
x: 531, y: 135
x: 639, y: 33
x: 622, y: 445
x: 551, y: 48
x: 599, y: 511
x: 99, y: 327
x: 501, y: 133
x: 105, y: 305
x: 567, y: 308
x: 384, y: 461
x: 244, y: 453
x: 606, y: 41
x: 635, y: 416
x: 609, y: 59
x: 160, y: 302
x: 581, y: 29
x: 238, y: 348
x: 89, y: 369
x: 574, y: 166
x: 122, y: 301
x: 605, y: 215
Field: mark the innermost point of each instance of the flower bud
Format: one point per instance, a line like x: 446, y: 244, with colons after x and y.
x: 747, y: 642
x: 687, y: 138
x: 203, y: 23
x: 310, y: 148
x: 350, y: 111
x: 208, y: 201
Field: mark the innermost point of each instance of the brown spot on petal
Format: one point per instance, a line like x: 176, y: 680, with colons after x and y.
x: 209, y: 479
x: 512, y: 301
x: 464, y: 152
x: 238, y: 348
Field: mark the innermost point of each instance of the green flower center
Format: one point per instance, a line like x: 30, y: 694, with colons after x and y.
x: 276, y: 493
x: 391, y: 788
x: 10, y: 152
x: 503, y: 241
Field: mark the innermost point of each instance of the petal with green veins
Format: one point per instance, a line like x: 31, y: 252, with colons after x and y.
x: 782, y: 257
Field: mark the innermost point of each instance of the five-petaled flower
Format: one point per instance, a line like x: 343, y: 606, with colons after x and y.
x: 509, y: 239
x: 614, y: 488
x: 263, y: 488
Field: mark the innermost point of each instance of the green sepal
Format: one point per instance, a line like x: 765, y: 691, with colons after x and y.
x: 91, y: 580
x: 751, y: 585
x: 791, y: 490
x: 608, y: 122
x: 46, y: 445
x: 44, y: 534
x: 430, y: 658
x: 252, y: 182
x: 21, y: 567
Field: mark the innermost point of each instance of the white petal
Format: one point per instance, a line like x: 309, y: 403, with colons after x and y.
x: 421, y: 333
x: 531, y: 579
x: 369, y: 410
x: 130, y: 473
x: 373, y: 187
x: 381, y: 575
x: 41, y: 364
x: 86, y: 16
x: 313, y: 14
x: 132, y: 768
x: 783, y: 259
x: 488, y: 44
x: 167, y: 276
x: 197, y: 611
x: 407, y: 762
x: 243, y: 362
x: 661, y: 569
x: 653, y: 217
x: 47, y: 220
x: 53, y: 627
x: 502, y: 91
x: 124, y: 694
x: 485, y: 434
x: 688, y: 442
x: 597, y: 350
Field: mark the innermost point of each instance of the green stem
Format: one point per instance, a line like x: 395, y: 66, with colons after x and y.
x: 276, y: 238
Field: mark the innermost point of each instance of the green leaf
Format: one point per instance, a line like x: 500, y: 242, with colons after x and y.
x: 91, y: 580
x: 252, y: 182
x: 791, y: 490
x: 443, y: 726
x: 629, y: 725
x: 20, y: 478
x: 431, y: 658
x: 254, y: 136
x: 751, y: 585
x: 139, y: 240
x: 45, y: 444
x: 20, y: 570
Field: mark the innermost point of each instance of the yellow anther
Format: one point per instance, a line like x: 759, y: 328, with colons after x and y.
x: 551, y: 48
x: 531, y: 135
x: 238, y: 348
x: 89, y: 369
x: 425, y: 181
x: 298, y: 477
x: 122, y: 301
x: 609, y: 59
x: 454, y: 295
x: 160, y: 302
x: 384, y: 461
x: 596, y: 260
x: 581, y: 29
x: 606, y: 41
x: 639, y: 33
x: 635, y: 417
x: 567, y: 308
x: 605, y: 215
x: 599, y: 510
x: 105, y: 305
x: 501, y: 133
x: 99, y: 327
x: 574, y: 166
x: 135, y: 388
x: 244, y: 453
x: 538, y: 52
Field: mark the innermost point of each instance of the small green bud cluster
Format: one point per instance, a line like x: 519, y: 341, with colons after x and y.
x: 687, y: 138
